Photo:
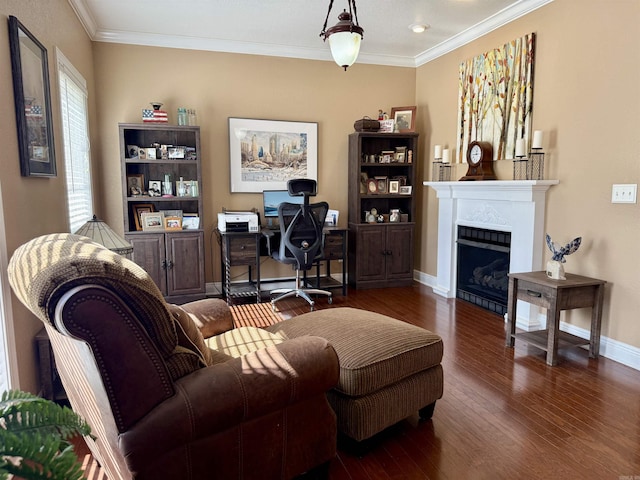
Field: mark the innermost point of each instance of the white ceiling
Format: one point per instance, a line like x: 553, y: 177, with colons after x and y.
x: 291, y: 28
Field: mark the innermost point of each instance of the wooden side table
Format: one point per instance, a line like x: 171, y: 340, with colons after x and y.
x: 555, y: 295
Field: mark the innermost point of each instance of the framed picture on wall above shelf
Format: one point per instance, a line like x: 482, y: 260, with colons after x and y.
x: 265, y: 154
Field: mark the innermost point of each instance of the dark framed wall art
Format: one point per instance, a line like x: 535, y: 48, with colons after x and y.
x: 32, y: 102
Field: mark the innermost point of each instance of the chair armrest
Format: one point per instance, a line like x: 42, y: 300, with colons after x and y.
x: 268, y: 234
x: 216, y: 398
x: 212, y: 316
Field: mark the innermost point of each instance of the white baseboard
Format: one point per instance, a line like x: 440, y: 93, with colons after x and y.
x: 423, y: 278
x: 609, y: 348
x: 613, y: 349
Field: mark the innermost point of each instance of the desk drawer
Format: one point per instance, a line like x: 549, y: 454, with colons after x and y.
x: 242, y: 251
x: 535, y: 294
x: 333, y: 247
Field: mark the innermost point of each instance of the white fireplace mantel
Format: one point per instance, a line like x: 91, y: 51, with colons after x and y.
x: 516, y: 206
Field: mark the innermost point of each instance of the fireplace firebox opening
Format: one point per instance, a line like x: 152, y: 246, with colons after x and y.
x: 483, y: 267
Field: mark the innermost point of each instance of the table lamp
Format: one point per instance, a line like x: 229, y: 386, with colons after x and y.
x: 101, y: 233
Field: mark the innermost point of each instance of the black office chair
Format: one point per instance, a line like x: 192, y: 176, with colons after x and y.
x: 301, y: 238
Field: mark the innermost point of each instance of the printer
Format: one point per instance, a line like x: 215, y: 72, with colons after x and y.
x: 238, y: 222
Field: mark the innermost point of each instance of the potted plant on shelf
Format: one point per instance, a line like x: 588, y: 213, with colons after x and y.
x: 34, y: 435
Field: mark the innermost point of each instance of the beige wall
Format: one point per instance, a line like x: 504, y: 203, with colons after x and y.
x: 35, y: 206
x: 220, y: 85
x: 587, y: 71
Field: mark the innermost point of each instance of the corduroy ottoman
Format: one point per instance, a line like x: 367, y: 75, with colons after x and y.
x: 389, y: 369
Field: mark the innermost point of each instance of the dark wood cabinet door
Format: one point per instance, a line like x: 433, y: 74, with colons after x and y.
x: 185, y: 266
x: 399, y: 251
x: 149, y: 253
x: 370, y: 253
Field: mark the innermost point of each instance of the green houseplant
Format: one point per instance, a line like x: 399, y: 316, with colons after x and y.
x: 34, y: 435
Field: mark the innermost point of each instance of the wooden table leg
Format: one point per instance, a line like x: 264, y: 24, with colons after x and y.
x: 596, y: 322
x: 553, y: 332
x: 512, y: 303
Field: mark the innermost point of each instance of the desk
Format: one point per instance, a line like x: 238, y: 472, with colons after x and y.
x: 244, y: 248
x: 237, y: 249
x: 555, y: 295
x: 334, y: 249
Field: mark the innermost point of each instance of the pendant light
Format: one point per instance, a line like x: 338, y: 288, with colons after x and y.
x: 345, y: 36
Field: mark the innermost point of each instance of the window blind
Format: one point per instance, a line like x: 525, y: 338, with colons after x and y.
x: 75, y: 127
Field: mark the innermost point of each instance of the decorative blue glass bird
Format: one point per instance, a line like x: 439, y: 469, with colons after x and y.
x: 559, y: 252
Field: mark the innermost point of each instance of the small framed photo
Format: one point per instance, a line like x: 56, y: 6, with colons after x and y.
x: 387, y: 156
x: 190, y: 222
x: 152, y: 221
x: 152, y: 153
x: 372, y: 185
x: 399, y: 157
x: 135, y: 185
x: 173, y: 223
x: 363, y: 182
x: 163, y: 151
x: 394, y: 186
x: 405, y: 118
x: 176, y: 152
x: 405, y: 190
x: 138, y: 209
x: 155, y: 188
x: 381, y: 184
x: 183, y: 188
x: 401, y: 178
x: 132, y: 151
x: 171, y: 213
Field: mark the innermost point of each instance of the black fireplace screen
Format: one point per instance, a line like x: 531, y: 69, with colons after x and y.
x: 483, y: 267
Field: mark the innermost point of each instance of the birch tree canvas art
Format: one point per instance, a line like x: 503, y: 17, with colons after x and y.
x: 496, y: 97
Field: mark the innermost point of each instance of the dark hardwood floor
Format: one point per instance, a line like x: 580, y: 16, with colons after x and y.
x: 505, y: 414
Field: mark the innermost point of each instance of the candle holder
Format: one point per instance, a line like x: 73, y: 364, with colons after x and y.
x: 435, y: 171
x: 520, y: 168
x: 441, y: 171
x: 535, y: 167
x: 445, y: 172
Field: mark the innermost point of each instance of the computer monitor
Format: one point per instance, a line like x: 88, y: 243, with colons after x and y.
x: 273, y: 198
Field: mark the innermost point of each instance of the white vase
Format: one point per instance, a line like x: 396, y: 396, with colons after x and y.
x: 555, y: 270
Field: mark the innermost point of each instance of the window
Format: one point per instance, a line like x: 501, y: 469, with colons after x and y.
x: 75, y: 128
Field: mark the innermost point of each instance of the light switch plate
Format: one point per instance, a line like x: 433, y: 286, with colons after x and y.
x: 624, y: 193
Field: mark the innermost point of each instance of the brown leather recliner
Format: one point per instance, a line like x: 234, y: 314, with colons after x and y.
x: 160, y: 402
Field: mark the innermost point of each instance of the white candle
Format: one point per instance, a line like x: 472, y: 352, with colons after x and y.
x: 520, y: 147
x: 537, y: 139
x: 438, y: 152
x: 445, y: 156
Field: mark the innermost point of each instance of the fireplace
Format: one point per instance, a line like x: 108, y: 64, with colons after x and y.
x: 483, y: 267
x: 513, y: 206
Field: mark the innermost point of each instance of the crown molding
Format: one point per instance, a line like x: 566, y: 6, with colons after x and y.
x: 86, y: 18
x: 492, y: 23
x: 250, y: 48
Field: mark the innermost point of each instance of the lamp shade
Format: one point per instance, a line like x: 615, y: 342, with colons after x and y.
x: 101, y: 233
x: 344, y: 37
x: 345, y: 47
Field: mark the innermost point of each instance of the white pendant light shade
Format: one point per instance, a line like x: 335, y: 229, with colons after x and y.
x: 345, y: 36
x: 345, y: 47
